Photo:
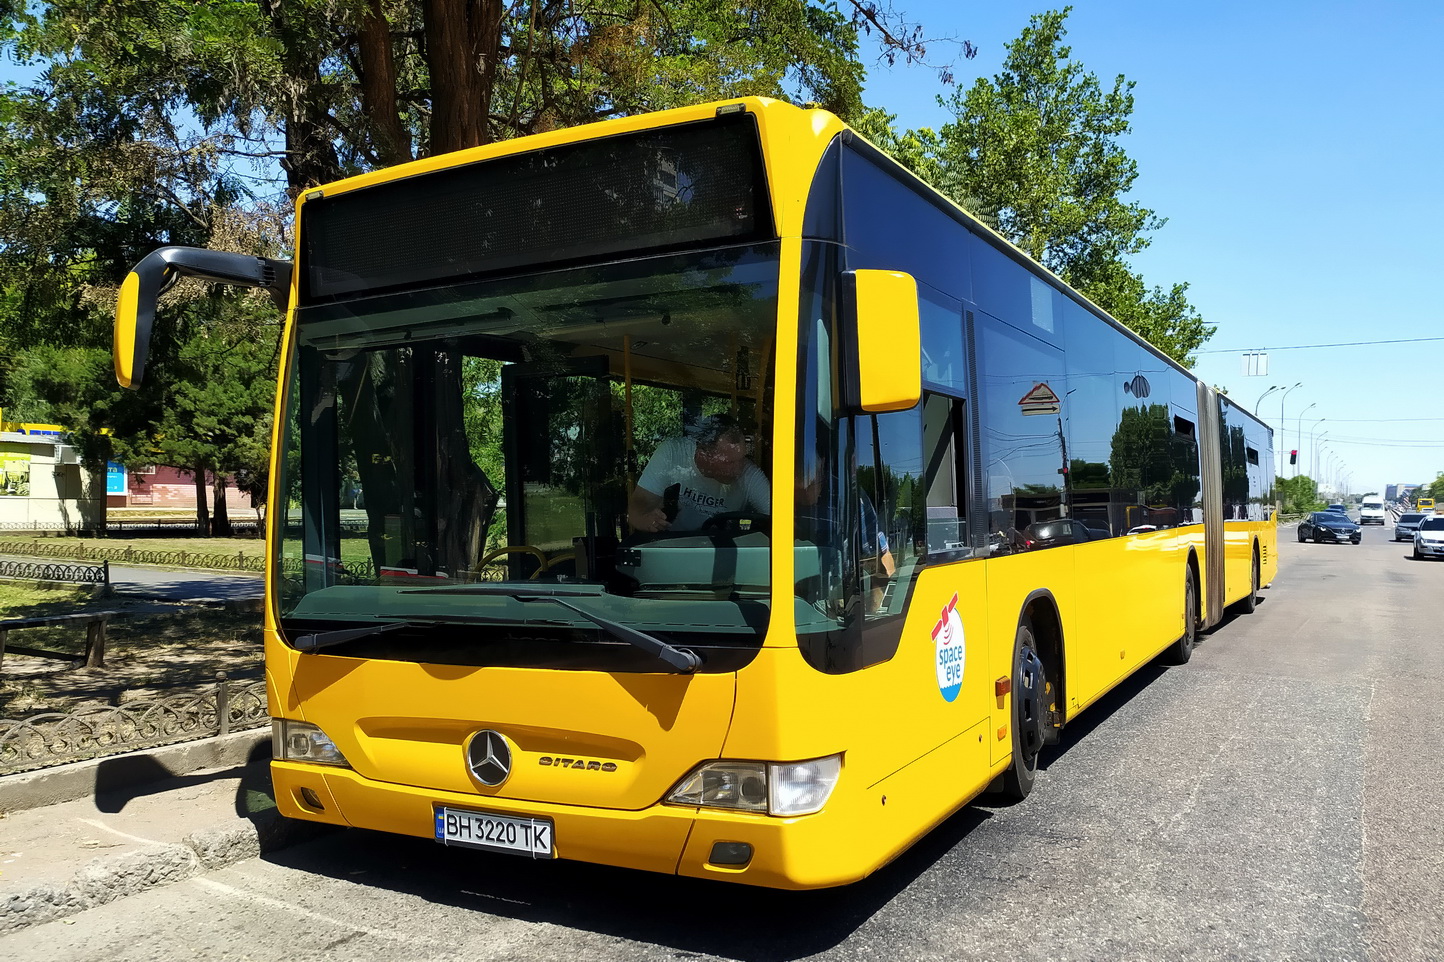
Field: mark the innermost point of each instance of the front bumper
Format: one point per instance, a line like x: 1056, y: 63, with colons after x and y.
x: 669, y: 839
x: 1433, y: 549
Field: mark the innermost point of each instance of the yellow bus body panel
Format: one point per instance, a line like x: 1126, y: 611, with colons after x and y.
x: 911, y: 755
x: 408, y: 724
x: 123, y: 343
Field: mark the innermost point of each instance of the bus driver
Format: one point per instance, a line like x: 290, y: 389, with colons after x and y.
x: 711, y: 472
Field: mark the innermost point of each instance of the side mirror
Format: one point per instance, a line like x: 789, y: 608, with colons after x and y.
x: 135, y: 308
x: 134, y: 315
x: 884, y: 340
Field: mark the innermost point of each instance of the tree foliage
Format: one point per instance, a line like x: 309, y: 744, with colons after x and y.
x: 175, y: 122
x: 1035, y: 153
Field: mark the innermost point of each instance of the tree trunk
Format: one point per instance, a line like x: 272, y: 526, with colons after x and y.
x: 310, y: 152
x: 220, y: 517
x: 378, y: 87
x: 203, y: 514
x: 463, y: 47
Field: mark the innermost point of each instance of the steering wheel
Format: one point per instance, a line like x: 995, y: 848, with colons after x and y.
x: 511, y: 549
x: 738, y: 522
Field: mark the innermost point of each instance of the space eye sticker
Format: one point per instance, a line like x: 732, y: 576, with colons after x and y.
x: 951, y: 652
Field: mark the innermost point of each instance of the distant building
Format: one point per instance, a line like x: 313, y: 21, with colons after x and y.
x: 42, y: 483
x: 158, y: 486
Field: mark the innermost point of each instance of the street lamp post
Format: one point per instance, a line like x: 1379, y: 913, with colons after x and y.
x: 1311, y: 442
x: 1314, y: 446
x: 1299, y: 432
x: 1283, y: 425
x: 1265, y: 394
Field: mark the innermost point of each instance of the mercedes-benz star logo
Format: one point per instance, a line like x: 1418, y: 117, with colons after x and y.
x: 489, y: 757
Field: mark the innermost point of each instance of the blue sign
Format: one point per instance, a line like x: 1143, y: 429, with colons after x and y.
x: 114, y: 478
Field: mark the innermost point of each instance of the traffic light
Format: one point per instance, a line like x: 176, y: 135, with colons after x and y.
x: 1294, y: 456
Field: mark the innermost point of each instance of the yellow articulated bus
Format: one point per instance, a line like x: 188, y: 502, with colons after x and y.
x: 700, y: 492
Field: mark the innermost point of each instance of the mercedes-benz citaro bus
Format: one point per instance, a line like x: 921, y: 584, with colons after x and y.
x: 730, y: 503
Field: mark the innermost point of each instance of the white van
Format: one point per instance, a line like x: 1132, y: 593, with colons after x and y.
x: 1371, y: 511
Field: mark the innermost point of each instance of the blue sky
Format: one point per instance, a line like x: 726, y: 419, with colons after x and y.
x: 1296, y: 150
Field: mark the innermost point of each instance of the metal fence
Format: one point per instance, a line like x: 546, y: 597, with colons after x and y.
x: 179, y: 558
x: 56, y: 571
x: 56, y: 738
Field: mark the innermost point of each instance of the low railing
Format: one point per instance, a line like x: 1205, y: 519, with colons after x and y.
x: 179, y: 558
x: 56, y: 571
x: 56, y: 738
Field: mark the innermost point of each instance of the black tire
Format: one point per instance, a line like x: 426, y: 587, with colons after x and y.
x: 1248, y: 604
x: 1182, y: 650
x: 1030, y: 699
x: 1416, y: 552
x: 1302, y: 539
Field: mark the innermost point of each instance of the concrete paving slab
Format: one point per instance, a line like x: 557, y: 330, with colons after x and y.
x: 64, y: 858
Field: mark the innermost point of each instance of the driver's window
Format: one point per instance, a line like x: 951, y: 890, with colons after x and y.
x: 891, y: 505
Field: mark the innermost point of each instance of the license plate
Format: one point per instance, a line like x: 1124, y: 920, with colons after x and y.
x: 496, y: 833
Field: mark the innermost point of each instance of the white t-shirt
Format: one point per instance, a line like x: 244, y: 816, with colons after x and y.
x: 700, y: 497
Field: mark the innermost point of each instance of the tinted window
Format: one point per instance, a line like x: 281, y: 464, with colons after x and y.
x: 1410, y: 518
x: 945, y: 473
x: 941, y: 318
x: 1006, y: 288
x: 1023, y: 442
x: 890, y: 226
x: 1432, y: 524
x: 1090, y: 417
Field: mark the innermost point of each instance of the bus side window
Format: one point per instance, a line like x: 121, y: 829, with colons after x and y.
x: 944, y: 471
x: 890, y: 462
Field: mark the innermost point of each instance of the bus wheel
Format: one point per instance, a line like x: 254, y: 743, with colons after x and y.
x: 1182, y: 649
x: 1246, y: 605
x: 1031, y: 693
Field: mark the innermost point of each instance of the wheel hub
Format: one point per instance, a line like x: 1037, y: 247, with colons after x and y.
x: 1030, y: 713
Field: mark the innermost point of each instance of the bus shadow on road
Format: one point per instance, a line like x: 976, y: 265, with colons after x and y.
x: 687, y: 915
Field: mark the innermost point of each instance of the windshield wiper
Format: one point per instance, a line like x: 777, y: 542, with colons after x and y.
x: 684, y: 661
x: 681, y: 659
x: 325, y: 639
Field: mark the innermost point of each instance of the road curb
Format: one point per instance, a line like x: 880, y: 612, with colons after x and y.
x: 65, y: 783
x: 107, y: 879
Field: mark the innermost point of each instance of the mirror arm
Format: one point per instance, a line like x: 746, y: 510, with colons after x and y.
x: 161, y: 268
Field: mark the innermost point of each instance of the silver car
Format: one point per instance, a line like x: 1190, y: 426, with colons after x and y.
x: 1429, y: 539
x: 1405, y: 527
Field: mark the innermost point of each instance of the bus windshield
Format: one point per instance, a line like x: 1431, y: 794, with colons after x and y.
x: 494, y: 433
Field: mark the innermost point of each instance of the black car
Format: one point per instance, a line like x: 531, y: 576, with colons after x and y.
x: 1054, y: 532
x: 1329, y: 526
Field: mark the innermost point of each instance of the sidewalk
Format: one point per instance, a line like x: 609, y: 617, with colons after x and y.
x: 81, y: 835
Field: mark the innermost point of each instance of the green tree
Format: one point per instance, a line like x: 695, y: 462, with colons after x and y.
x: 1435, y: 490
x: 1298, y: 494
x: 1035, y: 152
x: 153, y: 122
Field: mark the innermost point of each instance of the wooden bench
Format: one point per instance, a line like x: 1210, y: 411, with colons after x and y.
x: 95, y: 624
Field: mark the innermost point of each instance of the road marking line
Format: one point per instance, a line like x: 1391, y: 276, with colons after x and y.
x: 391, y: 934
x: 115, y: 831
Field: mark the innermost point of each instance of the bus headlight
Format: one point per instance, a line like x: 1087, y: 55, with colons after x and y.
x: 296, y: 741
x: 776, y: 788
x: 801, y: 788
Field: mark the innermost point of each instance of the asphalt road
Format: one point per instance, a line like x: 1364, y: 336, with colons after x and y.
x: 1276, y: 798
